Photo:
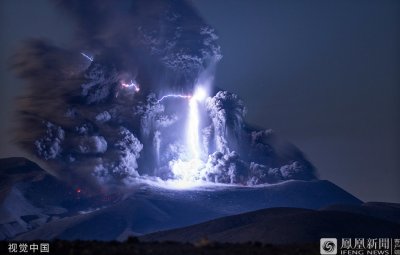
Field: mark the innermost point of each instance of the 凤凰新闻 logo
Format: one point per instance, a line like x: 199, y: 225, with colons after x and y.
x: 328, y: 246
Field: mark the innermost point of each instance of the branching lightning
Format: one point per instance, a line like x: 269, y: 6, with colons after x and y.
x: 87, y: 57
x: 130, y: 85
x: 174, y: 96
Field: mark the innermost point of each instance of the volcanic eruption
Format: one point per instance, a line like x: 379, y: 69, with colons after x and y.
x: 133, y: 98
x: 128, y: 134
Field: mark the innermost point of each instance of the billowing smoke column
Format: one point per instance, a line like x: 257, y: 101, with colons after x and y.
x: 133, y: 99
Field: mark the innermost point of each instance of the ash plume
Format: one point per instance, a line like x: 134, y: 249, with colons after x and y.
x: 92, y: 114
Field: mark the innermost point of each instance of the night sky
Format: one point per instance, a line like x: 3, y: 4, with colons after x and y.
x: 325, y: 75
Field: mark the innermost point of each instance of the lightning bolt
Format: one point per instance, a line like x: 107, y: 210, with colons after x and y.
x: 87, y: 57
x: 129, y: 85
x: 174, y: 96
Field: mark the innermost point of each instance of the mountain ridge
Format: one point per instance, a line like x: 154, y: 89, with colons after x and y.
x: 283, y: 226
x: 59, y: 211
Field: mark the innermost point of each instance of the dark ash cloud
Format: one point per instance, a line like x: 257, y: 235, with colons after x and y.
x: 88, y: 124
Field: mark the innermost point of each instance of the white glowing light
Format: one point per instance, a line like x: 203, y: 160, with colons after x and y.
x: 129, y: 85
x: 193, y: 136
x: 188, y: 172
x: 181, y: 184
x: 200, y: 94
x: 87, y: 57
x: 193, y: 128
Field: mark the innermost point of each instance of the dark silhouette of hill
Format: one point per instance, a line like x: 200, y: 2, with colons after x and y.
x: 289, y: 225
x: 385, y: 211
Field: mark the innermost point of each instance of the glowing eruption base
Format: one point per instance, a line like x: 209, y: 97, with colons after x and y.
x: 190, y: 170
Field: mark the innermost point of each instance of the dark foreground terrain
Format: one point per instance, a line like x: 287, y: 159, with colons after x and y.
x: 35, y: 205
x: 132, y: 247
x: 292, y: 225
